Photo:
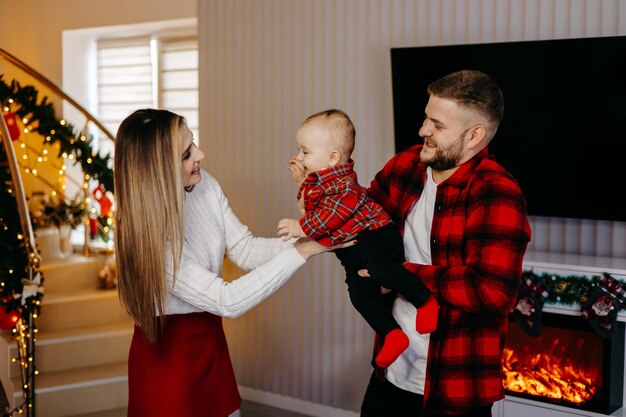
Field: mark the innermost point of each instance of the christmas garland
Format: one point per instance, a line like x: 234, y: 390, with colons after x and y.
x: 600, y: 298
x: 18, y: 295
x: 42, y: 119
x: 13, y: 257
x: 568, y: 290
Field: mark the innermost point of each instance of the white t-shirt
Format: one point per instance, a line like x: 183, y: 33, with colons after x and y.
x: 409, y: 370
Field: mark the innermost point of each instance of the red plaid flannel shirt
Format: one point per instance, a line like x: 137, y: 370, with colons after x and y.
x: 337, y: 207
x: 479, y: 236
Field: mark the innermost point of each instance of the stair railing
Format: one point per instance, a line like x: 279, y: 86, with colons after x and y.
x: 87, y: 196
x: 27, y: 347
x: 54, y: 88
x: 26, y: 332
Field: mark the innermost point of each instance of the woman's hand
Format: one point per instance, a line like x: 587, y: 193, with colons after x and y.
x: 309, y: 247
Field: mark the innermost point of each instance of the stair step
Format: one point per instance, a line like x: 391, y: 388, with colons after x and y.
x: 79, y: 391
x: 82, y: 344
x: 80, y: 308
x: 71, y: 272
x: 79, y: 347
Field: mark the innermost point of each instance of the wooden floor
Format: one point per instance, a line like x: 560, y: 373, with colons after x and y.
x: 251, y: 409
x: 248, y: 409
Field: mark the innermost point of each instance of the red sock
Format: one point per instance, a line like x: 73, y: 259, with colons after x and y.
x: 427, y: 316
x: 395, y: 343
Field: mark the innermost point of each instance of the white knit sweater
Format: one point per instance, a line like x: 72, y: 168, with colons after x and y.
x: 211, y: 231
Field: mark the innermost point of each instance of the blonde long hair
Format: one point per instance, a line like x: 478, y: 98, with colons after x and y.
x: 150, y: 212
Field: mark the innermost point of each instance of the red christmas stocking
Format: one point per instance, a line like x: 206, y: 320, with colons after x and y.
x: 527, y: 311
x: 14, y: 129
x: 605, y: 300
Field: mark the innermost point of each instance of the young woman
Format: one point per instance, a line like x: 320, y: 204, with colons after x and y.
x: 174, y: 226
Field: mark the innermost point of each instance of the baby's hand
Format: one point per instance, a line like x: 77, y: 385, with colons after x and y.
x: 289, y: 228
x: 301, y: 206
x: 298, y: 172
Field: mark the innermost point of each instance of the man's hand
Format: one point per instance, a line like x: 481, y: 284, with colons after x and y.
x: 298, y: 172
x: 365, y: 274
x: 289, y: 228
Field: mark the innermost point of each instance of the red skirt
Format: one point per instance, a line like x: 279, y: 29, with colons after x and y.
x: 189, y: 372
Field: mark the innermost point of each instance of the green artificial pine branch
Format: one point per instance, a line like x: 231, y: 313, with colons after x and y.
x: 568, y: 289
x: 24, y: 102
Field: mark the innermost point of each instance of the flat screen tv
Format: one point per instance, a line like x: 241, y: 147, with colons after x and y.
x: 564, y: 129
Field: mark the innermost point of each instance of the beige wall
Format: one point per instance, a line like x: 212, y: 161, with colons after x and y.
x: 267, y: 64
x: 31, y: 29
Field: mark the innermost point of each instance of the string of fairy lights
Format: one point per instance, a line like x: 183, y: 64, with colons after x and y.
x: 567, y: 289
x: 43, y: 144
x: 20, y: 297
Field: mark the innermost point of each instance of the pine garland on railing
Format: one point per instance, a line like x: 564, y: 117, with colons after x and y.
x: 20, y: 296
x: 41, y: 118
x: 13, y: 257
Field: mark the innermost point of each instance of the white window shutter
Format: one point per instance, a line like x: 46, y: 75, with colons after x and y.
x: 127, y: 69
x: 178, y: 82
x: 124, y: 79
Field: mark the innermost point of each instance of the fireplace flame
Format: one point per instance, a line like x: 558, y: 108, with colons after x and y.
x: 547, y: 376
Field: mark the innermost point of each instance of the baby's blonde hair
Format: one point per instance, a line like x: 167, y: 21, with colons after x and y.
x: 340, y: 127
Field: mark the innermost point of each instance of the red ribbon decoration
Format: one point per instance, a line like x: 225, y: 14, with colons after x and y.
x: 14, y: 129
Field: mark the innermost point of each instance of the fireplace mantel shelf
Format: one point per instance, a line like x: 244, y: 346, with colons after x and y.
x: 567, y: 264
x: 575, y: 264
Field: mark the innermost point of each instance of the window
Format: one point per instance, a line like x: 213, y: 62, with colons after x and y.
x: 139, y: 72
x: 113, y: 70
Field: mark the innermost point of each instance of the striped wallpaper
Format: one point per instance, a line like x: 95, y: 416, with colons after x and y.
x: 267, y: 64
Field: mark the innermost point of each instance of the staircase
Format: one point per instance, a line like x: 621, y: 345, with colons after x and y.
x: 82, y: 344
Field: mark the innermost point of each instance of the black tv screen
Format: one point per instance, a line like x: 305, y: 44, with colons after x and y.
x: 564, y: 126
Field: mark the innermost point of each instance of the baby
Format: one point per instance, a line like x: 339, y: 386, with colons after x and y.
x: 334, y: 209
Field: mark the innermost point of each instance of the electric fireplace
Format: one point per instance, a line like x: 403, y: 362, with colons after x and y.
x: 568, y: 364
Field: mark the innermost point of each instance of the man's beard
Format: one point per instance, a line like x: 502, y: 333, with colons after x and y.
x: 448, y: 157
